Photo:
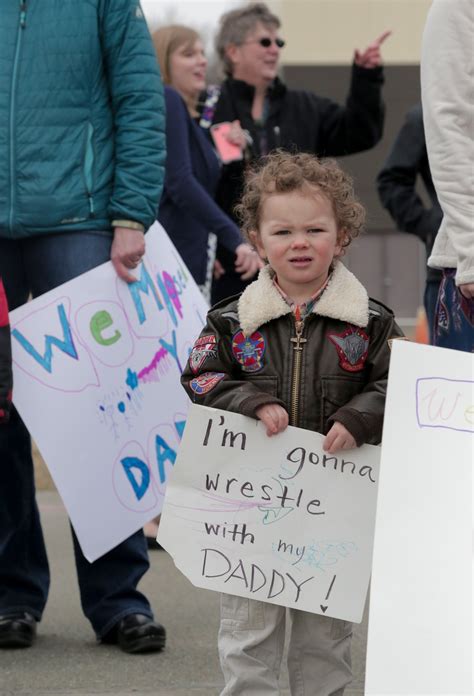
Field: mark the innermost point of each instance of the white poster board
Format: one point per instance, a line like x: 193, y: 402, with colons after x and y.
x: 420, y: 639
x: 97, y: 367
x: 271, y: 518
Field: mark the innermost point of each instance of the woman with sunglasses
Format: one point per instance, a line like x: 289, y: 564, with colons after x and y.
x: 249, y: 45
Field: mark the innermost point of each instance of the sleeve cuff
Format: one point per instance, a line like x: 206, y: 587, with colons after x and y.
x: 372, y: 74
x: 355, y: 423
x: 130, y: 224
x: 252, y: 403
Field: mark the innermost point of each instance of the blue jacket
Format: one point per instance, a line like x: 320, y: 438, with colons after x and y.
x: 81, y: 116
x: 187, y: 209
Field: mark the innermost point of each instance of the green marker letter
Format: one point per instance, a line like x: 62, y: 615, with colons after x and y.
x: 99, y: 322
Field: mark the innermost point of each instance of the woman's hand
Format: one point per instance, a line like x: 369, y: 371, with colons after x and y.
x: 127, y: 250
x: 247, y: 262
x: 338, y: 438
x: 467, y: 289
x: 372, y: 56
x: 274, y: 418
x: 236, y: 135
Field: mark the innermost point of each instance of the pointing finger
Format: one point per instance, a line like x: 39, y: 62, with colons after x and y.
x: 379, y: 41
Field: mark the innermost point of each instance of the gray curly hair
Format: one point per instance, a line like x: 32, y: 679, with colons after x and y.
x: 236, y: 25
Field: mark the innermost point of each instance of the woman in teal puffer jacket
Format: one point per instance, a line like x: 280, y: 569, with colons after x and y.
x: 82, y: 152
x: 82, y: 141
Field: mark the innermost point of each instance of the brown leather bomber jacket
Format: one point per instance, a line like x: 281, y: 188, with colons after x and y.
x: 333, y: 366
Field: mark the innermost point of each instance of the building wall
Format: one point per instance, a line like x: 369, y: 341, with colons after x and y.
x: 322, y: 32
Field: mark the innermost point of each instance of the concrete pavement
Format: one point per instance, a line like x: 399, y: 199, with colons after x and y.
x: 66, y: 661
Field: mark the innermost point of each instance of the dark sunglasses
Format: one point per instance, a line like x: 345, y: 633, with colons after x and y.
x: 266, y: 42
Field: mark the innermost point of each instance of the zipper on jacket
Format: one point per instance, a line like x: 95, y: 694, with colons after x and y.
x: 21, y: 26
x: 298, y: 343
x: 23, y: 14
x: 89, y: 166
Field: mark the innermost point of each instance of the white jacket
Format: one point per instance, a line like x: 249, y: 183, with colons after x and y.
x: 447, y: 85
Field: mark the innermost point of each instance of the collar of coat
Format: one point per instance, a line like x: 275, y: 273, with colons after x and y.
x: 245, y: 91
x: 344, y: 298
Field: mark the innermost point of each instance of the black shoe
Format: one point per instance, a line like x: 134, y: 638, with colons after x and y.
x: 17, y: 631
x: 137, y: 633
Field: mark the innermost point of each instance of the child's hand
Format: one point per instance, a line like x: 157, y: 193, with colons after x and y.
x: 338, y: 438
x: 274, y: 417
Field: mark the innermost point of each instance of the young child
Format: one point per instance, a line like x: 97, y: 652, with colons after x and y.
x: 5, y: 359
x: 303, y: 345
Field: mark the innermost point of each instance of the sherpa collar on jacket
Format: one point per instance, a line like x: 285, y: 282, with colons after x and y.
x: 344, y: 298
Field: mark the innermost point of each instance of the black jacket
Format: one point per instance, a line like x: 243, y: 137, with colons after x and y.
x: 300, y: 120
x: 396, y: 184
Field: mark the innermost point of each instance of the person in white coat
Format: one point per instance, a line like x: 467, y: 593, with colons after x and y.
x: 447, y: 68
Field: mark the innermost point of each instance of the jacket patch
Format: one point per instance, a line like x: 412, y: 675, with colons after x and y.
x: 352, y: 347
x: 205, y: 347
x: 249, y: 350
x: 205, y: 382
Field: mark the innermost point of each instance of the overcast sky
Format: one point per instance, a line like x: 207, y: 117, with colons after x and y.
x: 200, y: 14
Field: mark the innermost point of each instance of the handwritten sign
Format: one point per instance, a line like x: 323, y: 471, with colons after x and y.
x: 96, y: 372
x: 421, y: 590
x: 445, y: 403
x: 275, y: 519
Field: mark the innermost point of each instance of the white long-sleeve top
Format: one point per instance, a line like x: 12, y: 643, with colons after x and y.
x: 447, y: 85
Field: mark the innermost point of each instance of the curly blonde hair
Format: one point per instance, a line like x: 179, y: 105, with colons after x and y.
x: 283, y: 172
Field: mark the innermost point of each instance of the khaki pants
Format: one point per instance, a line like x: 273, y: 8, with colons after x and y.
x: 251, y: 642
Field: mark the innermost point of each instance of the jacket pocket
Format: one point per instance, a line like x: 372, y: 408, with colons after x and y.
x: 88, y: 165
x: 336, y: 391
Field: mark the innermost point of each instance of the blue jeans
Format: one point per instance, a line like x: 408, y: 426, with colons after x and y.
x: 454, y: 322
x: 107, y: 586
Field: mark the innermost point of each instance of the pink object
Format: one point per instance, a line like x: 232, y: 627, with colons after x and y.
x: 228, y: 152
